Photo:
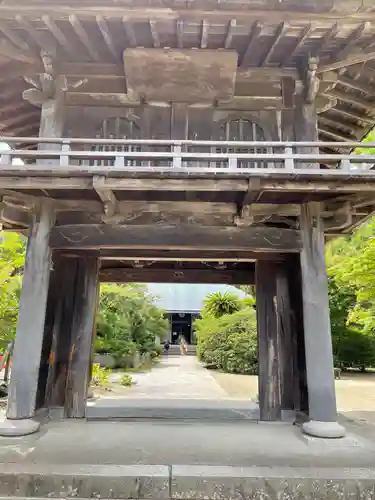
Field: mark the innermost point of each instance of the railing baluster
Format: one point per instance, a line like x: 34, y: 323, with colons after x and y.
x: 64, y: 155
x: 119, y: 161
x: 289, y: 162
x: 177, y: 160
x: 345, y: 165
x: 232, y: 162
x: 5, y: 159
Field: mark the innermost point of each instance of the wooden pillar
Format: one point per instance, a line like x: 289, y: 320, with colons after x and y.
x: 316, y: 321
x: 31, y: 319
x: 82, y: 336
x: 268, y: 341
x: 297, y: 350
x: 179, y: 120
x: 60, y: 330
x: 283, y: 316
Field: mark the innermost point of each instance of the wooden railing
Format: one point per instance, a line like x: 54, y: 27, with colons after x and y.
x: 171, y: 154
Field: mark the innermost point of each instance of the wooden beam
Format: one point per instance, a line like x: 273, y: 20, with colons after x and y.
x: 356, y: 85
x: 351, y: 113
x: 38, y: 37
x: 360, y: 58
x: 83, y: 37
x: 267, y: 239
x: 180, y: 33
x: 15, y: 39
x: 106, y: 195
x: 9, y: 122
x: 346, y: 97
x: 253, y: 38
x: 269, y: 378
x: 103, y: 27
x: 32, y: 312
x: 327, y: 38
x: 338, y: 124
x: 230, y: 33
x: 316, y: 317
x: 300, y: 41
x: 59, y: 35
x: 129, y: 31
x: 278, y: 35
x: 12, y: 52
x: 86, y: 290
x: 204, y: 33
x: 154, y: 33
x: 125, y: 275
x: 178, y: 255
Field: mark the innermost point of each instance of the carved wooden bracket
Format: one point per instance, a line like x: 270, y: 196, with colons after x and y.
x: 311, y: 80
x: 48, y: 85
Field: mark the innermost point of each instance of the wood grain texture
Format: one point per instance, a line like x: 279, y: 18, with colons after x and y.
x: 78, y: 376
x: 268, y: 342
x: 31, y: 318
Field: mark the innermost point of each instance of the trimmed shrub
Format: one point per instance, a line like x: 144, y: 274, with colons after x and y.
x: 100, y: 376
x: 229, y: 343
x: 126, y: 380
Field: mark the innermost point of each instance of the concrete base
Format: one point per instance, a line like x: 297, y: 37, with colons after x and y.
x: 17, y: 428
x: 328, y: 430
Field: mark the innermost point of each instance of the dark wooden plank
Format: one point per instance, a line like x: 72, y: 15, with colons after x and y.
x: 65, y: 274
x: 297, y: 353
x: 78, y: 376
x: 123, y: 275
x: 316, y: 317
x: 285, y: 338
x: 268, y: 239
x: 269, y: 378
x: 32, y: 313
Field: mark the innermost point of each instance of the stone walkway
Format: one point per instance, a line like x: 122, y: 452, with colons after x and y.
x: 176, y: 377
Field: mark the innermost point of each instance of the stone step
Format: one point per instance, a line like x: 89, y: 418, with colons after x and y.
x: 193, y: 482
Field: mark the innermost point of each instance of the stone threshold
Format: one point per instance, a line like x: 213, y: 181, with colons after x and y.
x: 193, y: 482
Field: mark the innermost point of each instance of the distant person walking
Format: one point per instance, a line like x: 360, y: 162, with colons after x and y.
x: 166, y: 347
x: 183, y: 346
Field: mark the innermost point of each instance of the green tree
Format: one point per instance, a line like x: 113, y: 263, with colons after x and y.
x: 12, y: 258
x: 217, y: 304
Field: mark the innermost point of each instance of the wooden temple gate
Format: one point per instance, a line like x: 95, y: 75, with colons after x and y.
x: 183, y: 143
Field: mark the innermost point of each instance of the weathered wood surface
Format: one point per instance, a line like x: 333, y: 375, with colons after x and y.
x: 86, y: 289
x: 316, y: 317
x: 175, y: 75
x: 121, y: 275
x: 64, y: 278
x: 283, y: 317
x: 297, y: 354
x: 31, y: 318
x: 268, y: 342
x: 268, y: 239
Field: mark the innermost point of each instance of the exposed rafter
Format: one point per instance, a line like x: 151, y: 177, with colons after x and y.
x: 13, y: 37
x: 106, y: 35
x: 278, y: 35
x: 253, y: 38
x: 204, y: 33
x: 154, y: 33
x: 83, y: 37
x: 59, y: 35
x: 129, y: 32
x: 36, y: 35
x: 351, y: 40
x: 301, y: 40
x: 230, y: 32
x: 353, y: 115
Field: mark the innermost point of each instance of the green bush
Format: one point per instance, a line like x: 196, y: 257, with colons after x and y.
x: 126, y: 380
x: 100, y: 376
x: 229, y: 343
x: 128, y: 321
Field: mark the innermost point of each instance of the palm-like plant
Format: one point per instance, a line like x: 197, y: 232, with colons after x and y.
x: 218, y: 304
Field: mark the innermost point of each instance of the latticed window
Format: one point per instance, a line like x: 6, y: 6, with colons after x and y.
x: 242, y: 130
x: 117, y: 128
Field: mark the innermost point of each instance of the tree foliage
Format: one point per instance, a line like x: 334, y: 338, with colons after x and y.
x: 218, y: 304
x: 128, y: 321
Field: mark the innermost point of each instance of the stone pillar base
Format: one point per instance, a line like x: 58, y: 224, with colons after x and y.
x: 16, y: 428
x: 330, y: 430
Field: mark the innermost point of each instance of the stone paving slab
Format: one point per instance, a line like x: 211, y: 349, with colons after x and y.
x: 184, y: 482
